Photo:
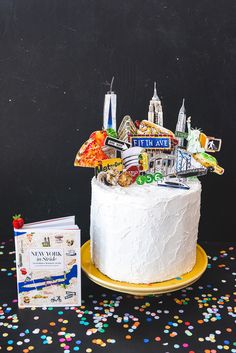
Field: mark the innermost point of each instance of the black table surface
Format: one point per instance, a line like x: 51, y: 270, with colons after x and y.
x: 199, y: 318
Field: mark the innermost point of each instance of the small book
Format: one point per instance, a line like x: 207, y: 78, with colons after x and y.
x: 48, y: 263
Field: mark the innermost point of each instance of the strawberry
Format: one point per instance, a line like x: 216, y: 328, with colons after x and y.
x: 23, y: 271
x: 18, y: 221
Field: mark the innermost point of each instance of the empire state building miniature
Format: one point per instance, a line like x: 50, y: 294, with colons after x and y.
x: 155, y: 114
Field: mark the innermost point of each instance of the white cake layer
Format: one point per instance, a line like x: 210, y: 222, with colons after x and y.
x: 144, y: 234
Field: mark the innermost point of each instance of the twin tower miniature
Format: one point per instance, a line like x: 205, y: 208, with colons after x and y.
x: 145, y: 152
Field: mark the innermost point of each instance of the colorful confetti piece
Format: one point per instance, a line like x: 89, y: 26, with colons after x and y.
x: 197, y: 319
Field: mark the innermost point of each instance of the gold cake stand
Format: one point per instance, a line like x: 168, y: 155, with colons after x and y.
x: 143, y: 289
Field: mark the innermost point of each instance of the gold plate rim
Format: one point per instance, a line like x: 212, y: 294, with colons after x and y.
x: 143, y: 289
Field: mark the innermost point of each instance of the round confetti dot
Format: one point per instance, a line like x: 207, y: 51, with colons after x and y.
x: 128, y: 337
x: 145, y: 340
x: 89, y: 350
x: 9, y: 348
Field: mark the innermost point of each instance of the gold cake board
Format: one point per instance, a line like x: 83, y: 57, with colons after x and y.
x: 143, y: 289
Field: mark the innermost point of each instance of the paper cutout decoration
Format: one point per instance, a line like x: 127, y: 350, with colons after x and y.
x: 113, y: 163
x: 89, y: 154
x: 150, y: 143
x: 163, y: 163
x: 130, y: 157
x: 133, y: 170
x: 109, y: 109
x: 181, y: 125
x: 173, y: 184
x: 143, y: 162
x: 126, y: 128
x: 186, y: 166
x: 109, y: 178
x: 193, y: 139
x: 162, y: 150
x: 209, y: 143
x: 99, y: 136
x: 125, y: 179
x: 155, y: 113
x: 117, y: 144
x: 209, y: 162
x: 149, y: 178
x: 148, y: 128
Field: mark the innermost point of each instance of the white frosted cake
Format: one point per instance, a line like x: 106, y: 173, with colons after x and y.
x: 146, y: 195
x: 144, y: 234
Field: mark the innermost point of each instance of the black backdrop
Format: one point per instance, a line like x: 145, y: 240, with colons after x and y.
x: 55, y: 58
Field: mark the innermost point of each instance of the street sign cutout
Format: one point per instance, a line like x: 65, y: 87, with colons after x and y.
x: 151, y: 143
x: 117, y: 144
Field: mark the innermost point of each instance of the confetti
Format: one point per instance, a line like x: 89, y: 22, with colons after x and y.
x: 199, y: 318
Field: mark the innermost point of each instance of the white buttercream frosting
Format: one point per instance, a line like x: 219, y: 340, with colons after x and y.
x: 144, y: 234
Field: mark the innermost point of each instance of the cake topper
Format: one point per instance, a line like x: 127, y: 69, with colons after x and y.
x: 181, y: 125
x: 109, y: 109
x: 155, y: 114
x: 146, y: 152
x: 126, y: 128
x: 193, y: 138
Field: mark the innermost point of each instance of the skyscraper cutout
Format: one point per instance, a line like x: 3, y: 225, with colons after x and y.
x: 155, y: 113
x: 181, y: 123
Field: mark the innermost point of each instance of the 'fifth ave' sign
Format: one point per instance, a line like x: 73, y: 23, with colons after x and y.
x: 161, y: 143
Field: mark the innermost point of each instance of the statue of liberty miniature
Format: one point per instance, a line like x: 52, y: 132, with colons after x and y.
x: 193, y: 145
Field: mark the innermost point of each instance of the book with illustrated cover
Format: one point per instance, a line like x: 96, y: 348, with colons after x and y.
x: 48, y: 263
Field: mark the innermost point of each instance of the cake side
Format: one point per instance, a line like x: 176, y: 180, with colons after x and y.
x: 144, y: 234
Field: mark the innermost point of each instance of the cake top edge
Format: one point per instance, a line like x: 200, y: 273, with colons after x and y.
x: 146, y: 190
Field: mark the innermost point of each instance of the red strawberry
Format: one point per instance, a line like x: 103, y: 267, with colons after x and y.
x: 23, y: 271
x: 18, y: 221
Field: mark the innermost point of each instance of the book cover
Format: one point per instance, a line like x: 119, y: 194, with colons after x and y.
x: 48, y: 263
